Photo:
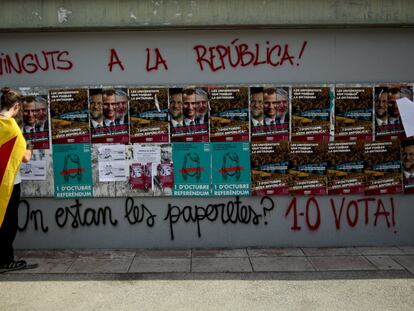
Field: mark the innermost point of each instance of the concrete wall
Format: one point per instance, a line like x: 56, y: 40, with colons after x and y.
x: 17, y: 15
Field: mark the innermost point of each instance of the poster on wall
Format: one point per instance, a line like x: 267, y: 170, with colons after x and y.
x: 353, y: 112
x: 72, y: 170
x: 163, y: 178
x: 269, y: 113
x: 69, y: 115
x: 35, y: 116
x: 108, y: 109
x: 307, y: 168
x: 192, y: 169
x: 229, y: 115
x: 189, y: 114
x: 312, y: 112
x: 383, y: 167
x: 269, y: 168
x: 148, y: 110
x: 345, y: 169
x: 144, y: 167
x: 388, y: 123
x: 111, y: 163
x: 34, y: 170
x: 407, y: 157
x: 231, y: 169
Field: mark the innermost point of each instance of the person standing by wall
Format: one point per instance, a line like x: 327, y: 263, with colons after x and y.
x: 13, y: 150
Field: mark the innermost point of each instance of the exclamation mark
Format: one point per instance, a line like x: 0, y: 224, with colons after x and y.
x: 302, y: 50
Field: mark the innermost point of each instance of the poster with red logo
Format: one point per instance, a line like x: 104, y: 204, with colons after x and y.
x: 269, y: 113
x: 189, y: 114
x: 108, y: 109
x: 388, y: 123
x: 383, y: 167
x: 35, y: 116
x: 307, y: 167
x: 353, y: 112
x: 148, y: 110
x: 269, y: 168
x: 346, y: 167
x: 70, y: 116
x: 312, y: 113
x: 229, y: 115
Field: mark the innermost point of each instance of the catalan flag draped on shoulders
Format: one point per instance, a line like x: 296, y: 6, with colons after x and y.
x: 12, y: 148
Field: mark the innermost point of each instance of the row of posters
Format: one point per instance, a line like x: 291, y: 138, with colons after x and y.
x: 239, y: 168
x: 266, y: 113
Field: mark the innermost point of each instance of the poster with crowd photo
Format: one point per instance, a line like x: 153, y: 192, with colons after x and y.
x: 383, y: 167
x: 69, y: 115
x: 35, y: 116
x: 192, y: 169
x: 269, y: 113
x: 345, y: 169
x: 269, y: 168
x: 388, y: 123
x: 231, y: 168
x: 229, y: 114
x: 189, y: 114
x: 407, y: 157
x: 307, y: 168
x: 148, y: 110
x: 108, y: 109
x: 72, y: 168
x: 312, y: 113
x: 353, y: 112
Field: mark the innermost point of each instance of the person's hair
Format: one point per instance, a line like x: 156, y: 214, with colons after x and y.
x: 27, y: 99
x: 8, y: 98
x: 269, y: 91
x: 108, y: 92
x: 201, y: 92
x: 407, y: 143
x: 282, y: 92
x: 255, y: 90
x: 188, y: 92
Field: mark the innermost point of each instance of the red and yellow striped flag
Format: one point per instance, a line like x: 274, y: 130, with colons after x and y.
x: 12, y: 148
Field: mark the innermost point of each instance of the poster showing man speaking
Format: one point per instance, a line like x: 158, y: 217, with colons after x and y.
x: 35, y: 116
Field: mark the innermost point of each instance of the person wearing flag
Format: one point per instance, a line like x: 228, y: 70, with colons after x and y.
x: 13, y: 150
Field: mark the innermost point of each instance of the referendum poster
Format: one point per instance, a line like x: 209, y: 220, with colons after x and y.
x: 353, y: 113
x: 189, y: 114
x: 108, y: 108
x: 388, y: 123
x: 383, y: 167
x: 312, y: 113
x: 269, y: 113
x: 307, y: 168
x: 346, y: 167
x: 192, y: 169
x: 148, y: 110
x: 72, y: 168
x: 229, y: 115
x: 407, y: 156
x: 69, y: 115
x: 35, y: 116
x: 231, y: 169
x: 269, y: 168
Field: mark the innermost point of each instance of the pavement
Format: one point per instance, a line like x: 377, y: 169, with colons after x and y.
x: 351, y: 278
